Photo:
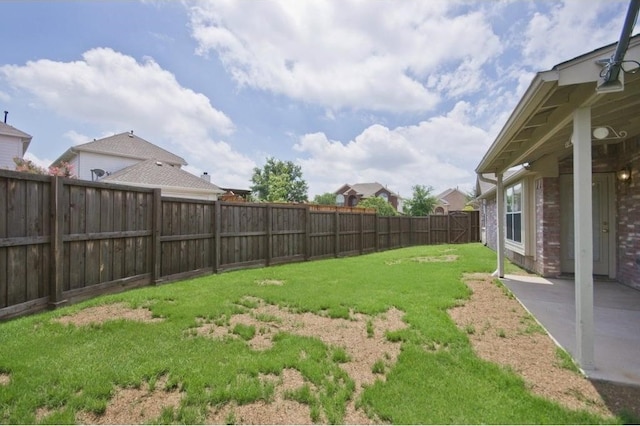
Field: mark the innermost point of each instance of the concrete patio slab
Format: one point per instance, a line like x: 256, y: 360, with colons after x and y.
x: 616, y: 321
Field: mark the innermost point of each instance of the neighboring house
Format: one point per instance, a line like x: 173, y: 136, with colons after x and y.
x: 350, y: 195
x: 126, y: 158
x: 449, y: 201
x: 571, y: 206
x: 13, y: 143
x: 172, y: 180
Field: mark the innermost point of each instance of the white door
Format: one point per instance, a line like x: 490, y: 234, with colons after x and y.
x: 603, y: 228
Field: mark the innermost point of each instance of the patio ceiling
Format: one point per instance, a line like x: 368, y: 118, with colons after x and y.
x: 542, y: 122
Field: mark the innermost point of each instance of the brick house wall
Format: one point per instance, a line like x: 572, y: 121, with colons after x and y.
x: 628, y: 208
x: 490, y: 223
x: 547, y: 199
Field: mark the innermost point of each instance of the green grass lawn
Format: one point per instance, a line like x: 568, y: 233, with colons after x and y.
x: 68, y: 369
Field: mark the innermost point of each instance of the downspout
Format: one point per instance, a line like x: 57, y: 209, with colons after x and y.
x: 486, y: 179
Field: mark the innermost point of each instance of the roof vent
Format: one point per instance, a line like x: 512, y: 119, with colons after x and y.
x: 158, y: 163
x: 131, y: 134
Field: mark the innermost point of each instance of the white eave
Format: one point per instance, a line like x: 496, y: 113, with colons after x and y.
x: 541, y: 122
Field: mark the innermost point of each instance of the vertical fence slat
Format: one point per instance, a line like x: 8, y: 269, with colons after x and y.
x: 156, y: 253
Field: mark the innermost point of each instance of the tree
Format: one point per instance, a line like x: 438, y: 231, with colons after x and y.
x: 27, y: 166
x: 421, y: 203
x: 326, y: 199
x: 279, y: 181
x: 383, y: 208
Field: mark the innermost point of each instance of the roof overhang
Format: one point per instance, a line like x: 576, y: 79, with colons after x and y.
x: 541, y: 123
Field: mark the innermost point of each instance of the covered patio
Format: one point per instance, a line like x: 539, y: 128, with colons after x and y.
x: 571, y: 207
x: 616, y: 314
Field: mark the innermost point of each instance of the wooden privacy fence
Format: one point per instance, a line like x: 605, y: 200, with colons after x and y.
x: 64, y: 240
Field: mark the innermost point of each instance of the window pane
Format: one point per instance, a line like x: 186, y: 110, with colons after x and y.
x: 517, y: 227
x: 509, y: 227
x: 517, y: 198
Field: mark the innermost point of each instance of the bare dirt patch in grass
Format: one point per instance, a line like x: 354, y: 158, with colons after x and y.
x: 5, y: 379
x: 103, y: 313
x: 135, y: 406
x: 502, y: 331
x: 270, y: 282
x: 361, y: 336
x: 430, y: 259
x: 278, y: 411
x: 42, y: 413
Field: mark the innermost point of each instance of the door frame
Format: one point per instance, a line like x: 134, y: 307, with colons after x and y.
x: 610, y: 206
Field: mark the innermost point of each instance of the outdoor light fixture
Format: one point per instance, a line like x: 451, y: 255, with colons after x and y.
x: 600, y: 132
x: 624, y: 174
x: 607, y: 132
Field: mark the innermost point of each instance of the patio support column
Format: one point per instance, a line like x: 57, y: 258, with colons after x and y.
x: 500, y: 219
x: 583, y: 231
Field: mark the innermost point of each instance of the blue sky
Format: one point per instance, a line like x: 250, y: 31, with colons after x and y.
x: 398, y: 92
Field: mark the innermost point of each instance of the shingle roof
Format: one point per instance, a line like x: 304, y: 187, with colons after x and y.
x: 8, y: 130
x: 124, y: 145
x: 159, y: 174
x: 443, y: 194
x: 369, y: 189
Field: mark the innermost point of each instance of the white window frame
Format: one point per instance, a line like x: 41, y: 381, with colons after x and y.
x: 513, y: 245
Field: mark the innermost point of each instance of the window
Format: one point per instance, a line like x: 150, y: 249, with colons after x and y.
x: 384, y: 196
x: 514, y: 212
x: 340, y: 200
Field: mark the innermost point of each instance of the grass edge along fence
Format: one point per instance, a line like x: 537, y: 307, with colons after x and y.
x: 65, y: 240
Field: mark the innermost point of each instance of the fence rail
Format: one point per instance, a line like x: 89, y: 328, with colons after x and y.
x: 64, y: 240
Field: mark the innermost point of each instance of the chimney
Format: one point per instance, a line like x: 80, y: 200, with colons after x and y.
x: 131, y: 134
x: 5, y: 116
x: 206, y: 177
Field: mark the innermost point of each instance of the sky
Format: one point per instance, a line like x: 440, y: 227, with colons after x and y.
x: 402, y: 93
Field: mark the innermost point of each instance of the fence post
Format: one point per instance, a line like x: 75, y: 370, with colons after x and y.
x: 156, y: 224
x: 57, y: 247
x: 337, y: 230
x: 361, y: 233
x: 389, y: 232
x: 377, y: 230
x: 429, y: 230
x: 307, y: 230
x: 269, y: 237
x: 449, y: 228
x: 411, y: 238
x: 469, y: 226
x: 217, y: 221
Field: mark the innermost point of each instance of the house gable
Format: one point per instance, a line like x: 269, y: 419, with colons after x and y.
x: 114, y: 153
x: 13, y: 143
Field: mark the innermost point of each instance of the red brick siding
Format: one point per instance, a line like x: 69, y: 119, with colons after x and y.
x: 547, y: 224
x: 628, y: 210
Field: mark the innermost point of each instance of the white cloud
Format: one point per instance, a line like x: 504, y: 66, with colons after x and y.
x: 347, y: 54
x: 441, y: 152
x: 76, y: 138
x: 44, y: 163
x: 4, y: 97
x: 571, y: 28
x: 119, y: 94
x: 108, y: 87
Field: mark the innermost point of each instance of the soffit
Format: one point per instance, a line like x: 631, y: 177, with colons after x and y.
x: 542, y: 123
